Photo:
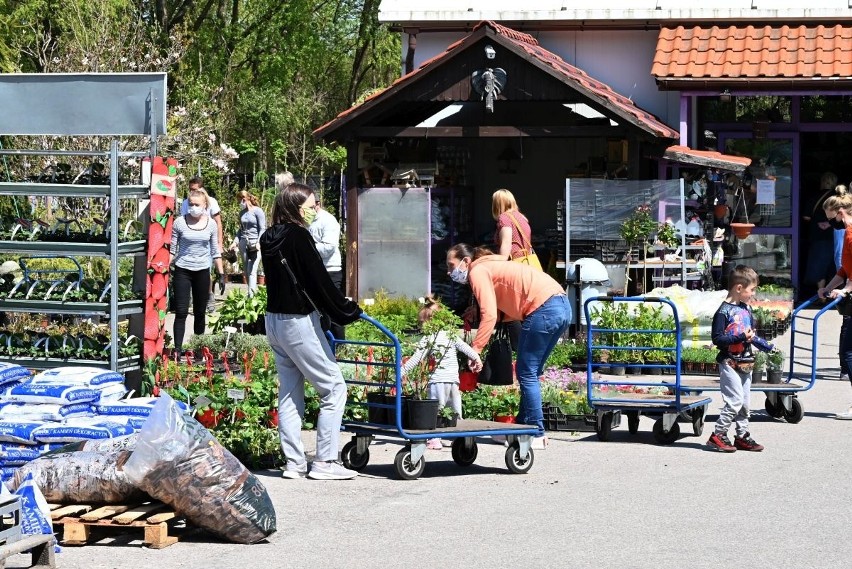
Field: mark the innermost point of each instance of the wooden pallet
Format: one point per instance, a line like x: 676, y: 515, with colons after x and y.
x: 78, y: 521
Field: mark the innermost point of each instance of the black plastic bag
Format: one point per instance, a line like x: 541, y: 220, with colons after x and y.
x: 497, y: 365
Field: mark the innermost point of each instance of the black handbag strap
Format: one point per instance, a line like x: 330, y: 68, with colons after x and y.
x: 296, y: 282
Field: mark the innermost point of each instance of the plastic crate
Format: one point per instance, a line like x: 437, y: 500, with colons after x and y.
x: 555, y: 420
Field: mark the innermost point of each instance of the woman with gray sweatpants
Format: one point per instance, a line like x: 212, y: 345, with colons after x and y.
x: 299, y: 289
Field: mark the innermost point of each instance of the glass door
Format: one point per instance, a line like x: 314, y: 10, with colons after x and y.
x: 773, y: 247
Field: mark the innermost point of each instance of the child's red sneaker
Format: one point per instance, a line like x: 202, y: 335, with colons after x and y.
x: 745, y: 442
x: 721, y: 443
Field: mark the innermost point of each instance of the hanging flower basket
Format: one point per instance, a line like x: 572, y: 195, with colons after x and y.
x: 742, y: 230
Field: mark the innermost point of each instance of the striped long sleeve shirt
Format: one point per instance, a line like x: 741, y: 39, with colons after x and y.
x: 444, y: 350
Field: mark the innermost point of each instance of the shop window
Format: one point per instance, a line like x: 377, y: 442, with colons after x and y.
x: 821, y: 108
x: 746, y: 109
x: 772, y: 159
x: 767, y: 254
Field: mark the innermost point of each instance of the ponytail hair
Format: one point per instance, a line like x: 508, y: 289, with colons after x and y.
x: 431, y: 305
x: 462, y: 250
x: 841, y: 199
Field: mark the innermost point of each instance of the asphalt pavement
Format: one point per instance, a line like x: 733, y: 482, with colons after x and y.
x: 585, y: 503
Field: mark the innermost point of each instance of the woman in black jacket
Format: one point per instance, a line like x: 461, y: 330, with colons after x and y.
x: 298, y: 288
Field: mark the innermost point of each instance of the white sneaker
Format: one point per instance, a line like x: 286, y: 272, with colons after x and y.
x: 539, y: 443
x: 293, y: 471
x: 846, y: 415
x: 330, y: 470
x: 844, y: 377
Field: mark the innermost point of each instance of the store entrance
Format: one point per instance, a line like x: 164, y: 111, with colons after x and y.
x: 821, y: 152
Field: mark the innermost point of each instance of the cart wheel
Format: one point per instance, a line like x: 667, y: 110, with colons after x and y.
x: 464, y: 456
x: 774, y: 411
x: 404, y: 468
x: 665, y: 438
x: 796, y: 413
x: 698, y: 421
x: 351, y: 458
x: 633, y: 422
x: 515, y: 463
x: 604, y: 430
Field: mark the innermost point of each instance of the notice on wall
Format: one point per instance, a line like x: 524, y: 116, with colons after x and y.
x: 766, y: 191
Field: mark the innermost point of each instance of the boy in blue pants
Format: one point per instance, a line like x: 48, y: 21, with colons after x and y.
x: 734, y: 336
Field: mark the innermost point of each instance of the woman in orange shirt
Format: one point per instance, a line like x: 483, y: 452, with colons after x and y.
x: 838, y: 211
x: 523, y: 294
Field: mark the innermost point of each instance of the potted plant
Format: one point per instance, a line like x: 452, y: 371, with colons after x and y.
x: 564, y: 403
x: 447, y: 417
x: 636, y: 229
x: 505, y: 403
x: 774, y: 366
x: 759, y: 367
x: 667, y: 235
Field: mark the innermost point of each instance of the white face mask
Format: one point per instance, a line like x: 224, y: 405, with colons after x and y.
x: 196, y: 210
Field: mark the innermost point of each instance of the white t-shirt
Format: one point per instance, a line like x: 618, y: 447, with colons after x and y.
x: 211, y: 211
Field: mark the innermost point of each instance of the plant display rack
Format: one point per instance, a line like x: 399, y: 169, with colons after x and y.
x: 104, y: 105
x: 113, y: 309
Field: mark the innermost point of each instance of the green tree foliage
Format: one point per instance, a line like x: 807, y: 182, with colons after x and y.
x: 255, y: 75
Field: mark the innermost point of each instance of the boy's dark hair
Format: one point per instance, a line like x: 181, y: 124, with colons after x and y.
x: 742, y: 275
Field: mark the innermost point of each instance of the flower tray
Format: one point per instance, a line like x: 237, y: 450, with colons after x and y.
x: 555, y: 420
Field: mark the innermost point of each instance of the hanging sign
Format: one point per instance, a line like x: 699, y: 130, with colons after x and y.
x: 766, y: 191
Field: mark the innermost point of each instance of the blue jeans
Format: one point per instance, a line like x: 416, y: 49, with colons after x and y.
x: 539, y: 333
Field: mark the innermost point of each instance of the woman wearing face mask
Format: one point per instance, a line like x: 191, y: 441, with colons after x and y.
x: 293, y: 328
x: 838, y: 210
x: 521, y: 293
x: 252, y: 225
x: 194, y: 249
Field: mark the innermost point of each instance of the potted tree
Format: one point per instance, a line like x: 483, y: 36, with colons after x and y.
x: 636, y: 230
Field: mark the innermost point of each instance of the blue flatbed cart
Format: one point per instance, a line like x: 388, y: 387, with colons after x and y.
x: 388, y: 418
x: 650, y: 396
x: 782, y: 400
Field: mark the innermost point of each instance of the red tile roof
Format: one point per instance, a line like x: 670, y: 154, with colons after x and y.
x: 547, y: 60
x: 709, y: 158
x: 754, y: 52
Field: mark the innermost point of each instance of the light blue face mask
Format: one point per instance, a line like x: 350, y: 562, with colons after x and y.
x: 459, y: 276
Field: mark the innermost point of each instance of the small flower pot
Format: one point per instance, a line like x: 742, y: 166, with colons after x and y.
x: 467, y: 380
x: 774, y: 375
x: 504, y: 418
x: 445, y: 423
x: 757, y: 376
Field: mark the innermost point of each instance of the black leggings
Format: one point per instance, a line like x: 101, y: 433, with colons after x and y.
x: 199, y: 283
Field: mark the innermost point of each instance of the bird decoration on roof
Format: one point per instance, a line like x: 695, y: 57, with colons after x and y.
x: 488, y: 83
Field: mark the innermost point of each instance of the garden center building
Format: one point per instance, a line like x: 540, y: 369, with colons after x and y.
x: 494, y: 95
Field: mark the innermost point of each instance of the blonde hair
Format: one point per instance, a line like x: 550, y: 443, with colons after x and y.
x: 501, y: 202
x: 203, y: 193
x: 283, y: 179
x: 841, y: 199
x: 244, y: 195
x: 431, y: 305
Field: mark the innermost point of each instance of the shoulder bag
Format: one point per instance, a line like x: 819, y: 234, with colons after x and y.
x: 529, y: 257
x: 325, y: 320
x: 497, y: 365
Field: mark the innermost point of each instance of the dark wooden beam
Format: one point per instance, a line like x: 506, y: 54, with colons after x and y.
x: 489, y: 132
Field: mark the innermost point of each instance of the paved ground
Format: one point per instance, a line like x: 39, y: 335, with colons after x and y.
x: 585, y: 503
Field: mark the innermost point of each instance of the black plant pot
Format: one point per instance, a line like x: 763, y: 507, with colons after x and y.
x: 380, y: 415
x: 634, y: 370
x: 757, y: 376
x: 422, y: 414
x: 774, y: 375
x: 617, y: 370
x: 444, y: 423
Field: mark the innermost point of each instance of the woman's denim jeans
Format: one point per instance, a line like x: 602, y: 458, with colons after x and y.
x: 539, y: 333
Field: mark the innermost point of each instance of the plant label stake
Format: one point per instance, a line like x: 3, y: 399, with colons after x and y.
x: 237, y: 394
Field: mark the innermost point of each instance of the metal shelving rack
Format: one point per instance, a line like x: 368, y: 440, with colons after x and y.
x: 96, y: 104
